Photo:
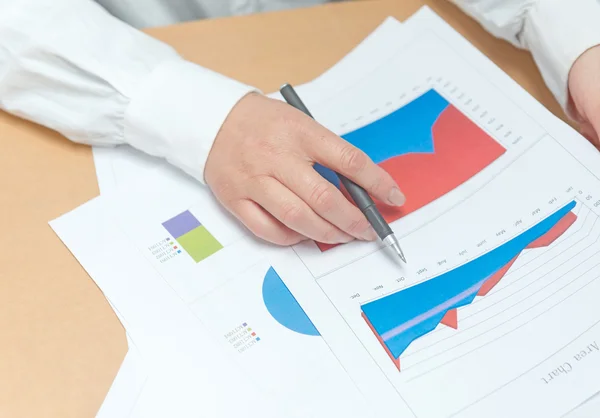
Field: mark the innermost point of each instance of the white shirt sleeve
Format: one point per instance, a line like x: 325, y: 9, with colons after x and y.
x: 71, y: 66
x: 556, y: 32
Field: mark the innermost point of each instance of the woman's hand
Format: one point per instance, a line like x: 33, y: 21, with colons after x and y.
x: 261, y: 169
x: 584, y: 88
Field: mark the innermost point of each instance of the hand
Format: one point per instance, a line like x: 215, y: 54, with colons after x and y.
x: 261, y: 169
x: 584, y: 88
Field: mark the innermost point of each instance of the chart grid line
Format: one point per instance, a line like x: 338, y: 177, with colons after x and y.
x: 513, y: 330
x: 508, y: 320
x: 528, y: 370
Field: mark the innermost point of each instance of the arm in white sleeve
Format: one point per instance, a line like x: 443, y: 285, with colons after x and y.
x: 71, y: 66
x: 556, y: 32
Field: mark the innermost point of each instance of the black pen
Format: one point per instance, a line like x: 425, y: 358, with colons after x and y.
x: 358, y: 194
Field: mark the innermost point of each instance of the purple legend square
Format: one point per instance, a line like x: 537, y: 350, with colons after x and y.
x: 244, y: 324
x: 181, y: 224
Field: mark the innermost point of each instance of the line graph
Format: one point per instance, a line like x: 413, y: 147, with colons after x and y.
x: 402, y: 317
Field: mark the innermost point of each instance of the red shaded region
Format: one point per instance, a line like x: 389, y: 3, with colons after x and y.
x: 544, y: 241
x: 461, y: 150
x: 556, y: 231
x: 495, y: 278
x: 396, y: 361
x: 450, y: 319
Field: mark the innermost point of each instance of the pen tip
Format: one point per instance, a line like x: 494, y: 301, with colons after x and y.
x: 399, y: 252
x: 392, y: 241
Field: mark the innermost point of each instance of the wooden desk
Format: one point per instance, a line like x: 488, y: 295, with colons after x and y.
x: 60, y: 343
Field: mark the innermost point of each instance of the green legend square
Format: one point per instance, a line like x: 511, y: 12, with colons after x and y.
x: 192, y: 236
x: 199, y: 243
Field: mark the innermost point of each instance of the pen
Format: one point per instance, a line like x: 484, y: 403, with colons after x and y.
x: 358, y: 194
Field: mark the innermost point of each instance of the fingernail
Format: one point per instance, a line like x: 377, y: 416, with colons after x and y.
x: 369, y: 234
x: 396, y: 197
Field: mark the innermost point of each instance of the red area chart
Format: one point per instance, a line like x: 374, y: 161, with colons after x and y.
x: 429, y: 147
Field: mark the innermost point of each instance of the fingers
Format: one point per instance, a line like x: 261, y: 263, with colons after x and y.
x: 263, y: 225
x: 293, y: 212
x: 326, y: 200
x: 339, y: 155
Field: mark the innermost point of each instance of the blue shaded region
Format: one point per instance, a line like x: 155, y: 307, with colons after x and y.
x: 394, y: 317
x: 404, y: 131
x: 282, y: 305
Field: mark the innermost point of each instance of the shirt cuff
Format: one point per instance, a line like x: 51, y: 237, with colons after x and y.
x: 177, y: 112
x: 557, y: 32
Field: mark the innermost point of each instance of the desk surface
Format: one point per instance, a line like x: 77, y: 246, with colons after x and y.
x: 61, y: 345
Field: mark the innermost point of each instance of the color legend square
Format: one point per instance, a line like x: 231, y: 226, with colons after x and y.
x: 192, y: 236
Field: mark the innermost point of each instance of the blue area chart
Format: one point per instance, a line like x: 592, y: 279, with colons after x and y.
x: 404, y: 131
x: 427, y: 141
x: 284, y: 307
x: 400, y: 318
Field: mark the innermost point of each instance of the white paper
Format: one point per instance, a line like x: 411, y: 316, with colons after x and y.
x: 103, y: 160
x: 518, y: 217
x: 528, y: 347
x: 588, y: 409
x: 167, y: 334
x: 124, y: 392
x: 119, y: 166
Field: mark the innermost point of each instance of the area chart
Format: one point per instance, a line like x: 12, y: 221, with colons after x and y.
x: 427, y: 141
x: 400, y: 318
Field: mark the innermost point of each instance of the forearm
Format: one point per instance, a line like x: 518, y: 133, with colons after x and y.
x: 71, y: 66
x: 556, y: 32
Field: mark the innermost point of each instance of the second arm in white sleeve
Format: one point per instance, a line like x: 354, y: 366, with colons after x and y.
x: 556, y: 32
x: 71, y: 66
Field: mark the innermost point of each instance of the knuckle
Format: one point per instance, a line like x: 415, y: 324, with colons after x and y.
x: 245, y: 167
x: 353, y: 160
x: 291, y: 127
x: 290, y: 213
x: 322, y: 196
x: 260, y: 180
x: 287, y: 136
x: 357, y: 226
x: 254, y: 185
x: 225, y: 190
x: 329, y: 235
x: 289, y: 122
x: 221, y: 187
x: 379, y: 185
x: 267, y: 146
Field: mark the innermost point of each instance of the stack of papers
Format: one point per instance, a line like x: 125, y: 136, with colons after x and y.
x: 495, y: 315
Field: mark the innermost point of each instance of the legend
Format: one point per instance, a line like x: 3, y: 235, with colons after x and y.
x: 242, y: 337
x: 164, y: 250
